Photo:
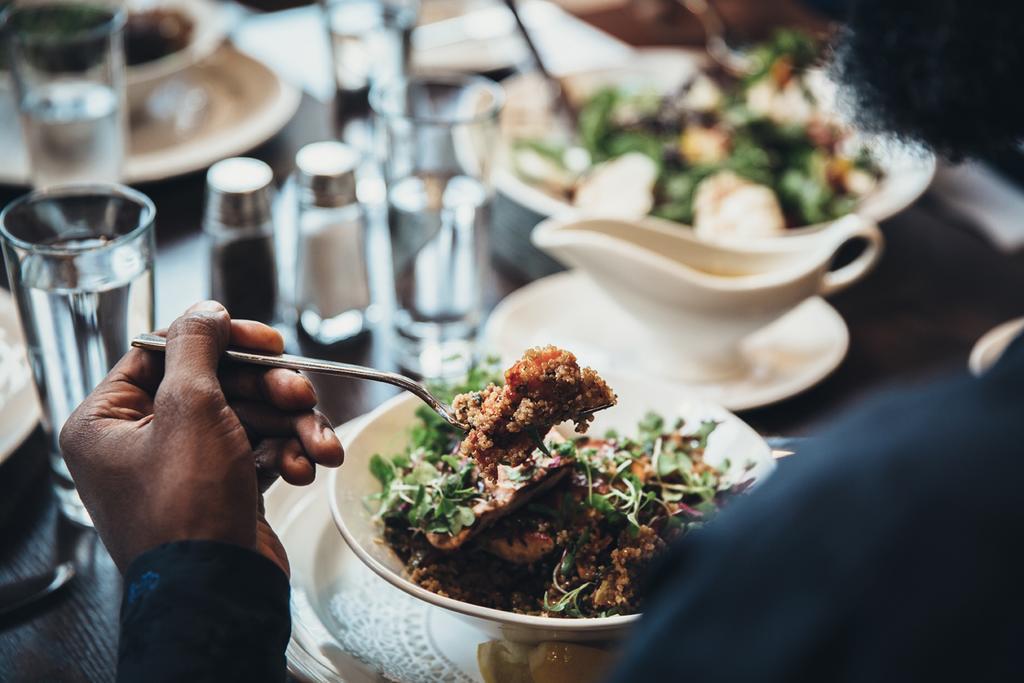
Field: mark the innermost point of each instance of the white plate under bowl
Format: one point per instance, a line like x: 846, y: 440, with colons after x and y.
x: 348, y: 624
x: 784, y: 359
x: 19, y: 407
x: 908, y: 173
x: 223, y: 107
x: 386, y: 431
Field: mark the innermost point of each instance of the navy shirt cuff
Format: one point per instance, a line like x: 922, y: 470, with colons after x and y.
x: 203, y: 611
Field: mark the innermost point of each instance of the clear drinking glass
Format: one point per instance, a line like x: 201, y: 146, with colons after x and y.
x: 438, y: 137
x: 68, y: 64
x: 80, y: 264
x: 369, y: 40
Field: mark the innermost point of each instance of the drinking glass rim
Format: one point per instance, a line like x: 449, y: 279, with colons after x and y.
x: 118, y: 19
x: 464, y: 80
x: 80, y: 189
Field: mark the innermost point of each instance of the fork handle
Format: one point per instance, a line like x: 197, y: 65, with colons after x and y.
x: 152, y: 342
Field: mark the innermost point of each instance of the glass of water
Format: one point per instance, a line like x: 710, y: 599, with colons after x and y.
x: 369, y: 40
x: 438, y: 137
x: 80, y: 264
x: 68, y: 64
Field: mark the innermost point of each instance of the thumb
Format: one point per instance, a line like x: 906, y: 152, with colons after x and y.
x: 195, y: 342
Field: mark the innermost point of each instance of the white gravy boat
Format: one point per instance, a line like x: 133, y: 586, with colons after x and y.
x: 695, y: 301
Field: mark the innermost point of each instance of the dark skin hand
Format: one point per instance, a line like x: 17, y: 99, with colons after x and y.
x: 181, y: 446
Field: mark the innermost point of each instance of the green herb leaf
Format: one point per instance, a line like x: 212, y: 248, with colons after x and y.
x: 461, y: 518
x: 382, y: 470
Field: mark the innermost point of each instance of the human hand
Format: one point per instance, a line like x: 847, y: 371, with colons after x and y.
x: 174, y: 447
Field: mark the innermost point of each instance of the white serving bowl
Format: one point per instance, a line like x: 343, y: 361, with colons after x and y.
x: 907, y: 173
x: 386, y: 430
x: 209, y: 28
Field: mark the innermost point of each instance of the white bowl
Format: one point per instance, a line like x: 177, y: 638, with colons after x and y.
x: 907, y: 173
x: 385, y: 431
x: 209, y: 27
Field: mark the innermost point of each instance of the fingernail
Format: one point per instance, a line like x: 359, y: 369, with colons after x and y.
x: 208, y: 306
x: 328, y: 432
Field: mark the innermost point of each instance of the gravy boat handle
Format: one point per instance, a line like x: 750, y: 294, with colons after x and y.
x: 842, y: 231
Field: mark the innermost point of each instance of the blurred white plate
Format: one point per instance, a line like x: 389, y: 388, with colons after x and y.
x: 481, y: 36
x: 209, y: 26
x: 907, y: 173
x: 453, y: 35
x: 19, y: 407
x: 788, y: 357
x: 222, y: 107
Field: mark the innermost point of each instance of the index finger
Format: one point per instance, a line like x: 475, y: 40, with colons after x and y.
x: 145, y: 369
x: 195, y: 342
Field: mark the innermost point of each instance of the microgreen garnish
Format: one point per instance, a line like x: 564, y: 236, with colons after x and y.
x: 433, y: 497
x: 568, y: 603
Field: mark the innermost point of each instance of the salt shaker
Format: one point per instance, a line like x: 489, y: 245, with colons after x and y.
x: 240, y: 229
x: 332, y: 292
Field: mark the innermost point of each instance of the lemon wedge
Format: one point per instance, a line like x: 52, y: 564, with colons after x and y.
x: 503, y: 662
x: 551, y: 662
x: 554, y: 662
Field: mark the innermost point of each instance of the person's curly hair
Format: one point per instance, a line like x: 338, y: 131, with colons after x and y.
x: 943, y: 73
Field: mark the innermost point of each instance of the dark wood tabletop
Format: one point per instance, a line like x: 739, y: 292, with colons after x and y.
x: 938, y: 288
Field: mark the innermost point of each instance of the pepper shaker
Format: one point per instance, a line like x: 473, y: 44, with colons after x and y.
x: 332, y: 292
x: 239, y: 226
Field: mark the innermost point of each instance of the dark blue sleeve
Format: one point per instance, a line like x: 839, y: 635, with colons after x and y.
x: 885, y: 551
x: 203, y: 611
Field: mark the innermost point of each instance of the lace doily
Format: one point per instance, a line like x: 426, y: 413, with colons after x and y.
x: 390, y: 632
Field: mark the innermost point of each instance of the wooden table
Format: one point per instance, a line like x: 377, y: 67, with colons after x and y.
x: 938, y: 288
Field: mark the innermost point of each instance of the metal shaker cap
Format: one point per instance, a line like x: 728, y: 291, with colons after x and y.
x: 326, y: 174
x: 239, y: 193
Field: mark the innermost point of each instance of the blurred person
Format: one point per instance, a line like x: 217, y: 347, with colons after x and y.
x: 884, y: 551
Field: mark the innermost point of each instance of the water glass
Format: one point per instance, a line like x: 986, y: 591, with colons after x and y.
x: 369, y: 40
x: 437, y: 138
x: 80, y: 264
x: 68, y: 64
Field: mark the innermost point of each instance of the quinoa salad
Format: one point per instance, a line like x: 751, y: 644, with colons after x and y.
x: 564, y: 527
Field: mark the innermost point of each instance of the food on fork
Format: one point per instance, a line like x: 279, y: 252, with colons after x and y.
x: 544, y: 388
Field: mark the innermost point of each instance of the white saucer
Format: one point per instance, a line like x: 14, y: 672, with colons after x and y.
x: 788, y: 357
x: 349, y: 625
x: 221, y: 107
x: 19, y: 407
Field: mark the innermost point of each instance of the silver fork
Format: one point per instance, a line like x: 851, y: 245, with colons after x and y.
x: 152, y: 342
